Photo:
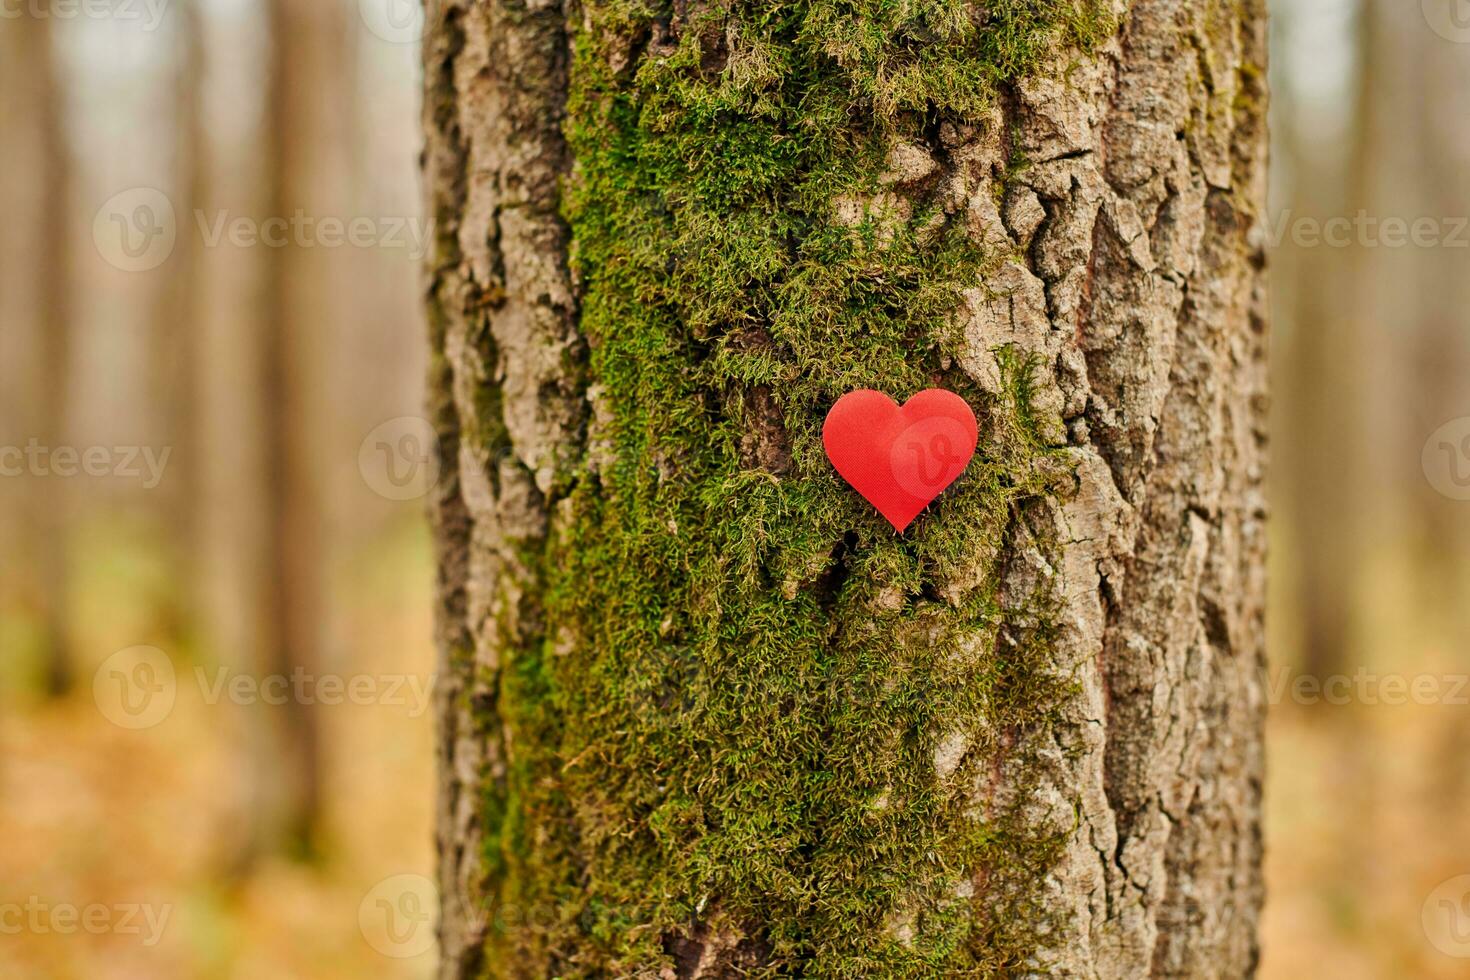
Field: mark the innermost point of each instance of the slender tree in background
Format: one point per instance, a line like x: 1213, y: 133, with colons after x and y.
x: 1440, y: 366
x: 176, y: 342
x: 1441, y: 328
x: 55, y: 331
x: 306, y: 79
x: 38, y: 272
x: 703, y: 713
x: 1331, y: 290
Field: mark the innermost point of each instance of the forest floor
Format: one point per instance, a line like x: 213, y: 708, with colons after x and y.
x: 144, y: 828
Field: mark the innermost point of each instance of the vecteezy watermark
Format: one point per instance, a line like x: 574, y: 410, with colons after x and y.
x: 1446, y: 917
x: 146, y: 463
x: 1366, y: 230
x: 399, y: 459
x: 397, y: 916
x: 410, y: 691
x: 137, y: 688
x: 302, y: 230
x: 1446, y: 459
x: 926, y: 456
x: 395, y: 21
x: 40, y: 918
x: 1368, y: 688
x: 149, y: 12
x: 1450, y: 19
x: 138, y: 229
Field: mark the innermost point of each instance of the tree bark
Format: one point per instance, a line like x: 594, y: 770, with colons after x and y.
x: 175, y: 341
x: 1321, y: 473
x: 39, y: 261
x: 702, y: 713
x: 306, y: 101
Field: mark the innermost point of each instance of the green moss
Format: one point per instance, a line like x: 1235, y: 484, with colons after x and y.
x: 731, y: 707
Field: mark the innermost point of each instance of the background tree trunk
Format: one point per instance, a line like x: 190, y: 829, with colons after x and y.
x: 1328, y: 286
x: 177, y: 350
x: 39, y: 223
x: 305, y: 103
x: 703, y: 713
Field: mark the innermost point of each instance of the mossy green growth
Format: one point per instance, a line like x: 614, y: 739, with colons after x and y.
x: 731, y: 713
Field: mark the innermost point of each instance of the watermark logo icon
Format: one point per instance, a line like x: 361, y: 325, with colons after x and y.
x: 1446, y: 917
x: 136, y: 688
x: 399, y: 460
x: 395, y: 21
x: 136, y: 231
x: 397, y: 916
x: 928, y: 455
x: 1450, y: 19
x: 1446, y: 459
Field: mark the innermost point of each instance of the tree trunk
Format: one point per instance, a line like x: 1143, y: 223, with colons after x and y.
x: 1440, y: 362
x: 703, y: 713
x: 39, y: 272
x: 304, y: 104
x: 1322, y: 436
x: 1441, y: 352
x: 175, y: 342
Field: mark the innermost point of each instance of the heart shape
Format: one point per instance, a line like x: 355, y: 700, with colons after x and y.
x: 900, y: 459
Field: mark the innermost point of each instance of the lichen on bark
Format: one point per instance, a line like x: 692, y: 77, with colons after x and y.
x: 704, y: 714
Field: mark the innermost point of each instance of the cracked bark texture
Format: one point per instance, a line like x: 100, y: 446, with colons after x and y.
x: 1135, y: 274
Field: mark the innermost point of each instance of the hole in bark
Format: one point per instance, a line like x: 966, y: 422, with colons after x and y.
x: 1216, y: 623
x: 828, y: 585
x: 706, y: 954
x: 764, y: 444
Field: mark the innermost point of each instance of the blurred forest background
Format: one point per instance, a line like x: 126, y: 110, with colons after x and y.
x: 211, y: 459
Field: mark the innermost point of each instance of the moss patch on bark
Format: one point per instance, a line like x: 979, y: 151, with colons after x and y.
x: 752, y: 715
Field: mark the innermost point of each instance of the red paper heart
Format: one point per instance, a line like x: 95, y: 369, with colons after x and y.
x: 900, y: 459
